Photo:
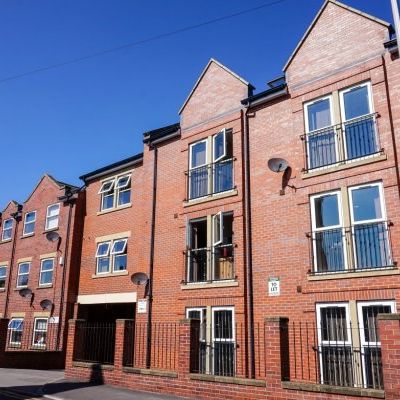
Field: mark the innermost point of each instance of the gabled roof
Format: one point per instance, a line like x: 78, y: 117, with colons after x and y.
x: 59, y: 184
x: 339, y: 4
x: 15, y: 203
x: 212, y: 60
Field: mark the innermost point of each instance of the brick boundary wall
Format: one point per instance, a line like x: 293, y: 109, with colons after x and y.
x: 197, y: 386
x: 27, y: 359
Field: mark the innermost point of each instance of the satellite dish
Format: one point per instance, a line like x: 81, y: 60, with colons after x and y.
x: 46, y: 304
x: 139, y: 278
x: 25, y: 292
x: 52, y: 236
x: 277, y: 164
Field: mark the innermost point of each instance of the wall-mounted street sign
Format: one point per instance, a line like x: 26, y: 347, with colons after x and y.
x: 142, y: 306
x: 274, y: 286
x: 54, y: 320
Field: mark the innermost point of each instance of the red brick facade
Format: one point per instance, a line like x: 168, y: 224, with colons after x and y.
x: 28, y: 249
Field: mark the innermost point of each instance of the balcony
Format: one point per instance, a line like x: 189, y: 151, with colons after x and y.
x: 210, y: 264
x: 351, y: 249
x: 342, y: 143
x: 210, y: 179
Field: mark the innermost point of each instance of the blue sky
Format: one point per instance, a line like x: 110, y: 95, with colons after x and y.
x: 74, y: 119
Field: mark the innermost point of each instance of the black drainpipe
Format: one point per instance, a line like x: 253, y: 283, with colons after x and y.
x: 248, y: 247
x: 151, y: 262
x: 17, y: 218
x: 70, y: 200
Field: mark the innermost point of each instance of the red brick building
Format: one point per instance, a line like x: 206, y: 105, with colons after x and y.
x: 39, y: 266
x: 265, y: 229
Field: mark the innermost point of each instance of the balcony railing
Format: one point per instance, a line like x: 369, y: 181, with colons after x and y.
x: 210, y: 179
x: 328, y: 356
x: 341, y: 143
x: 355, y: 248
x: 210, y: 264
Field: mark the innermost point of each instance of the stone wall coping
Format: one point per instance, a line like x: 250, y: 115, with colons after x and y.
x: 276, y: 319
x: 153, y: 372
x: 389, y: 317
x: 348, y: 391
x: 81, y: 364
x: 228, y: 379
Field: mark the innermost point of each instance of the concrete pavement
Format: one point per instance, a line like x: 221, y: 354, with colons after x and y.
x: 26, y: 384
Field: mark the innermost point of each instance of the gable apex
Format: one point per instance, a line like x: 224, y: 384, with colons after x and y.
x: 322, y: 9
x: 213, y: 61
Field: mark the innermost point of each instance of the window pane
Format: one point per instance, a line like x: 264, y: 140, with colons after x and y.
x: 47, y: 265
x: 23, y: 280
x: 219, y: 145
x: 198, y: 154
x: 319, y: 115
x: 326, y: 211
x: 53, y: 210
x: 103, y: 264
x: 123, y: 182
x: 329, y: 251
x: 333, y: 324
x: 3, y: 272
x: 103, y: 249
x: 119, y: 246
x: 106, y: 187
x: 46, y: 277
x: 8, y: 224
x: 321, y: 148
x: 52, y: 222
x: 120, y: 262
x: 366, y: 203
x: 356, y: 102
x: 30, y: 217
x: 29, y: 228
x: 107, y: 202
x: 24, y: 268
x: 124, y: 197
x: 223, y: 327
x: 369, y: 315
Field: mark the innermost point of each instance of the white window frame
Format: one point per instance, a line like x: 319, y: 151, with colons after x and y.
x: 332, y: 343
x: 22, y: 274
x: 113, y: 252
x: 315, y: 229
x: 363, y: 343
x: 15, y: 330
x: 30, y: 222
x: 203, y: 321
x: 107, y: 255
x: 5, y: 276
x: 223, y: 340
x: 368, y: 221
x: 190, y: 154
x: 7, y: 229
x: 343, y: 113
x: 102, y: 189
x: 223, y: 133
x: 47, y: 270
x: 310, y: 133
x: 46, y: 228
x: 215, y: 231
x: 36, y: 345
x: 117, y: 187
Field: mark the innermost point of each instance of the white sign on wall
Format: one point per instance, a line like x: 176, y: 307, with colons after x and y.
x: 274, y: 286
x: 54, y: 320
x: 142, y: 306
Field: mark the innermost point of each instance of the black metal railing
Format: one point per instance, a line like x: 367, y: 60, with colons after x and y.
x: 28, y: 338
x: 210, y: 179
x: 328, y: 355
x: 164, y: 345
x: 221, y: 349
x: 210, y: 264
x: 340, y: 143
x: 95, y: 342
x: 355, y: 248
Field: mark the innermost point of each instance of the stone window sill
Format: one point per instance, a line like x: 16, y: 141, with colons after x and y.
x: 209, y: 285
x: 5, y: 241
x: 28, y: 235
x: 152, y: 372
x: 344, y: 165
x: 92, y: 365
x: 223, y: 195
x: 347, y: 391
x: 110, y: 210
x: 228, y: 379
x: 45, y: 286
x: 109, y: 275
x: 349, y: 275
x: 51, y: 230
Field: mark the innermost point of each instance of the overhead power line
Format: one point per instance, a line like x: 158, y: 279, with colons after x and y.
x: 139, y: 42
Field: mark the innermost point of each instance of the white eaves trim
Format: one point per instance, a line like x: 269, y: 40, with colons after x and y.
x: 107, y: 298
